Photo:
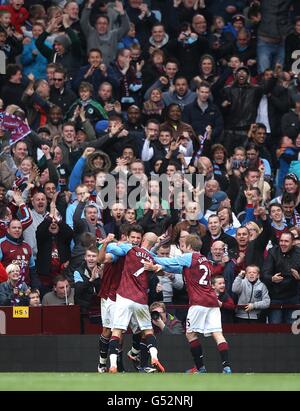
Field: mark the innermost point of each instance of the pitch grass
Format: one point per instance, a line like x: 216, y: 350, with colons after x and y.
x: 147, y: 382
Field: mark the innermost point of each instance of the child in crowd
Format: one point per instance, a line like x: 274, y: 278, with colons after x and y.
x: 239, y: 162
x: 226, y: 303
x: 286, y: 153
x: 23, y: 174
x: 155, y: 105
x: 5, y: 23
x: 34, y: 298
x: 130, y: 39
x: 92, y: 108
x: 253, y: 295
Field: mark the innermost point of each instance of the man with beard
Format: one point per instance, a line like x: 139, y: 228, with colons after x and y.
x: 281, y: 276
x: 240, y: 105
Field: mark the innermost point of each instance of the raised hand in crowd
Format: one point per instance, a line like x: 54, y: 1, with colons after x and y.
x: 248, y: 195
x: 119, y: 7
x: 83, y: 197
x: 90, y: 71
x: 139, y: 66
x: 76, y: 113
x: 17, y: 198
x: 144, y: 11
x: 34, y: 177
x: 90, y: 3
x: 208, y: 130
x: 95, y: 273
x: 121, y: 164
x: 115, y: 128
x: 123, y: 133
x: 228, y: 166
x: 103, y: 69
x: 47, y: 151
x: 66, y: 21
x: 54, y: 24
x: 53, y: 210
x: 164, y: 80
x: 177, y: 3
x: 109, y: 238
x: 82, y: 114
x: 88, y: 151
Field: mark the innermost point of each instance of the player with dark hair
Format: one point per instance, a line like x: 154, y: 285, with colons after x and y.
x: 132, y: 298
x: 113, y: 267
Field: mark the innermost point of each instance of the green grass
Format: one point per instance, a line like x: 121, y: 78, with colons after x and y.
x: 147, y: 382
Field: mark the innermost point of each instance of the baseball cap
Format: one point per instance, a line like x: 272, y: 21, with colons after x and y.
x: 101, y: 126
x: 44, y: 130
x: 242, y: 68
x: 216, y: 200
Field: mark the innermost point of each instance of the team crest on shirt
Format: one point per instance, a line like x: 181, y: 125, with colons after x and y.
x: 25, y: 251
x: 90, y: 110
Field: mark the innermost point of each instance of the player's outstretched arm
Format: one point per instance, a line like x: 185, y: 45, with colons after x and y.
x: 103, y: 257
x: 119, y: 250
x: 175, y: 264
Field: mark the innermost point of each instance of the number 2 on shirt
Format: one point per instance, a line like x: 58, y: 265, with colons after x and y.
x: 203, y: 268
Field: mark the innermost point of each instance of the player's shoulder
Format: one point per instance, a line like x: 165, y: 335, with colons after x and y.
x: 200, y: 257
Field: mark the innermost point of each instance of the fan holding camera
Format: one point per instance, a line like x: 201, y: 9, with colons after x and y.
x: 164, y: 321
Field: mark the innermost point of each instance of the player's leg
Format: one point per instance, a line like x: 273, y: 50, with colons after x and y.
x: 213, y: 326
x: 120, y: 364
x: 197, y: 353
x: 114, y: 347
x: 139, y: 354
x: 223, y: 349
x: 151, y: 343
x: 194, y: 325
x: 144, y: 353
x: 141, y: 315
x: 122, y: 316
x: 135, y: 350
x: 106, y: 318
x: 145, y: 356
x: 103, y: 349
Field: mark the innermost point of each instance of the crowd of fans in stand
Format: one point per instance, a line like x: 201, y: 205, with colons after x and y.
x: 139, y: 89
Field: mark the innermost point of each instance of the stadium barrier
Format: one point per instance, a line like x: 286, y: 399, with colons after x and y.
x: 50, y: 339
x: 259, y: 352
x: 66, y: 320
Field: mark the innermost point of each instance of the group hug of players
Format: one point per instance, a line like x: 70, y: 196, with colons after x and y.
x: 124, y: 300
